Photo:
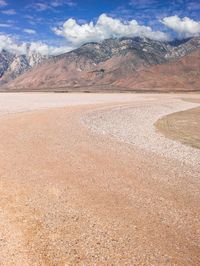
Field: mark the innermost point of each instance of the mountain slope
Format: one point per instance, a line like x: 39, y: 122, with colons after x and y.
x: 183, y: 74
x: 137, y: 63
x: 6, y: 59
x: 13, y: 65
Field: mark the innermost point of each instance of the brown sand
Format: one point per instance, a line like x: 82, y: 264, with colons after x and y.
x: 70, y: 197
x: 182, y: 126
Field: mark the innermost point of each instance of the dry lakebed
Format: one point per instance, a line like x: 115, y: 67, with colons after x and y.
x: 99, y: 179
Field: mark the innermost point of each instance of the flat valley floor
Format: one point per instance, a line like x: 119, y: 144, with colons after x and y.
x: 95, y: 179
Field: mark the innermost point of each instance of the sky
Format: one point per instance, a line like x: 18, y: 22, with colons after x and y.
x: 58, y: 26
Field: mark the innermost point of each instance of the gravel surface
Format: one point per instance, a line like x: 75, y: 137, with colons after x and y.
x: 135, y: 125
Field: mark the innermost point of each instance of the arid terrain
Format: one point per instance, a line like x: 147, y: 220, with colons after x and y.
x: 99, y: 179
x: 183, y: 126
x: 125, y: 64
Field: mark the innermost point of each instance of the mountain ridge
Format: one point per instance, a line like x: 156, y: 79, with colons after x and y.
x: 120, y: 62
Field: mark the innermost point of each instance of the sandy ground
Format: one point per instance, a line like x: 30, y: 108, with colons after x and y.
x: 182, y: 126
x: 75, y: 196
x: 23, y: 102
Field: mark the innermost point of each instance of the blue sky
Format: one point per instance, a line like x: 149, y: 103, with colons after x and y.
x: 42, y: 21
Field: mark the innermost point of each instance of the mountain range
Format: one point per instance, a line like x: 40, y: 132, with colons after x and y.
x: 13, y: 65
x: 126, y: 64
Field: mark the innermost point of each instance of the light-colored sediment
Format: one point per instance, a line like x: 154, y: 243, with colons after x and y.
x: 23, y: 102
x: 70, y: 196
x: 135, y: 124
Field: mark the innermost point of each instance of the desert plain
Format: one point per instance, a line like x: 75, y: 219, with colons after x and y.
x: 99, y: 179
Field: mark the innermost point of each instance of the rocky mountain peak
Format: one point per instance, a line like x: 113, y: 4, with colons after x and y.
x: 13, y: 65
x: 182, y: 48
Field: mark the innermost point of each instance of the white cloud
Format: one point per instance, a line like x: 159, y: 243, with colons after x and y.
x: 45, y: 49
x: 184, y: 27
x: 57, y: 3
x: 71, y: 3
x: 141, y: 3
x: 9, y: 12
x: 14, y: 46
x: 39, y: 6
x: 105, y: 27
x: 4, y: 25
x: 30, y: 31
x: 3, y: 3
x: 77, y: 33
x: 8, y: 43
x: 42, y: 6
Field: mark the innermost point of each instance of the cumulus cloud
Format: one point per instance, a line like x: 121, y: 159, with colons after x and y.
x: 184, y: 27
x: 105, y: 27
x: 8, y: 43
x: 46, y: 49
x: 29, y: 31
x: 77, y: 33
x: 14, y: 46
